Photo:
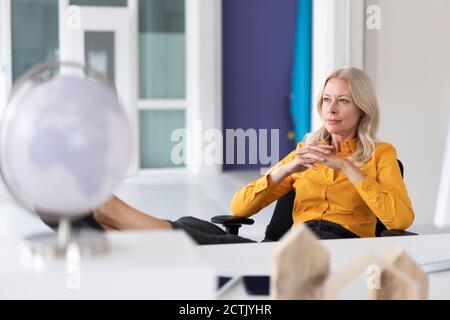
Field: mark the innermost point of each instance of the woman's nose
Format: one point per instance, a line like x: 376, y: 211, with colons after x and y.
x: 332, y: 107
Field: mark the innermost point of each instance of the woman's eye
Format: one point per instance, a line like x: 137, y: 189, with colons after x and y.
x: 343, y: 101
x: 326, y: 99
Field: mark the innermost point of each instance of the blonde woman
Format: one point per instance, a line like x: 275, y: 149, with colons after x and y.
x: 342, y: 177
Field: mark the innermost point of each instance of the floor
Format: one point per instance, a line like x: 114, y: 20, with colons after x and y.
x: 167, y: 196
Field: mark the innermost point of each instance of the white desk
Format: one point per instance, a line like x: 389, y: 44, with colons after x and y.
x: 255, y: 259
x: 142, y: 265
x: 166, y: 265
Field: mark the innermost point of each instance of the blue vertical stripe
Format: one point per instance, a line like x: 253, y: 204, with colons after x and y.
x: 301, y: 76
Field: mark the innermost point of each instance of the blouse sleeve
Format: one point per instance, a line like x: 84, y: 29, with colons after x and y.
x: 261, y: 192
x: 386, y: 194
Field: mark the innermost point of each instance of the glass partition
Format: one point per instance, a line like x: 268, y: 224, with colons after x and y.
x: 162, y: 49
x: 156, y: 127
x: 34, y: 33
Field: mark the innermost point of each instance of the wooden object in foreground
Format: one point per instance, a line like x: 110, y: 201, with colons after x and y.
x: 395, y: 276
x: 392, y: 287
x: 300, y: 266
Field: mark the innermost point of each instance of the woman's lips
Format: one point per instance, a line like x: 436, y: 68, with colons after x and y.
x: 332, y: 122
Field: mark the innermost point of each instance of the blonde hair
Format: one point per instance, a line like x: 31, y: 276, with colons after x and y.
x: 364, y: 97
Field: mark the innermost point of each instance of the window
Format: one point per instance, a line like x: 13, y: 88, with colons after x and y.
x: 3, y: 62
x: 156, y: 127
x: 162, y: 49
x: 162, y: 65
x: 100, y: 52
x: 34, y: 34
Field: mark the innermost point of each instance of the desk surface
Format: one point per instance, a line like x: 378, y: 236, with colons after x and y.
x: 167, y: 265
x: 255, y: 259
x: 139, y: 265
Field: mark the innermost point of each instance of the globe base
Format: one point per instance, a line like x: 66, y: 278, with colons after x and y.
x: 80, y: 244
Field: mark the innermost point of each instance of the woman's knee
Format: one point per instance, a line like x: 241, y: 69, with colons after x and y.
x: 198, y: 224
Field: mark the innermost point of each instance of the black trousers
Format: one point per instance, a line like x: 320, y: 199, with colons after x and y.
x: 204, y: 232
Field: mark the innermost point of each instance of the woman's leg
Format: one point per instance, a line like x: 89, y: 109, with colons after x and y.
x: 117, y: 215
x: 204, y: 232
x: 329, y: 230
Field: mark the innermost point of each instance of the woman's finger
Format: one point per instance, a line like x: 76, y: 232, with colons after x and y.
x: 302, y: 151
x: 308, y: 150
x: 323, y: 149
x: 315, y: 156
x: 304, y: 160
x: 327, y: 146
x: 319, y: 148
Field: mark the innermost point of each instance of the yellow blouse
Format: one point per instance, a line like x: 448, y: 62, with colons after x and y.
x: 327, y: 193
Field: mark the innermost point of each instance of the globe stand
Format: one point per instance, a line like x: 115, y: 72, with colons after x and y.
x: 87, y: 243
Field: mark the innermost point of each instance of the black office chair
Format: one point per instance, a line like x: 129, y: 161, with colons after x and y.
x: 282, y: 221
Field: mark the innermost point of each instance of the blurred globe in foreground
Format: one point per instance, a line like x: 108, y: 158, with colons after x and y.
x: 65, y: 142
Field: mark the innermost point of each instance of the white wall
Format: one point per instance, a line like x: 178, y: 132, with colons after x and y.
x: 409, y: 61
x: 338, y: 42
x: 204, y: 81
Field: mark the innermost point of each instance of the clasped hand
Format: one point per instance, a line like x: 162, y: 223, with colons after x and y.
x: 307, y: 156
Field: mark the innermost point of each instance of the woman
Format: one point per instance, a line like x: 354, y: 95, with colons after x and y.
x: 343, y: 178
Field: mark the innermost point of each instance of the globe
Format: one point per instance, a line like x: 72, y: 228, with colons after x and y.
x: 65, y: 141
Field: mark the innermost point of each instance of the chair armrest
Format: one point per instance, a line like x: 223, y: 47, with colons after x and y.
x: 397, y: 233
x: 232, y: 220
x: 232, y: 223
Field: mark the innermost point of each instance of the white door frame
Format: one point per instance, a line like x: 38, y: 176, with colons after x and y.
x: 71, y: 43
x: 204, y: 78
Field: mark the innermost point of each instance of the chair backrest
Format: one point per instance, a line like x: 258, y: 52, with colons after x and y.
x: 282, y: 221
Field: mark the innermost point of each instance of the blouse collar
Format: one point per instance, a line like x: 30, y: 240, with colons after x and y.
x: 348, y: 147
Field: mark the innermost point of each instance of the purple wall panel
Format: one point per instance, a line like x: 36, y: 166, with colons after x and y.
x: 258, y: 48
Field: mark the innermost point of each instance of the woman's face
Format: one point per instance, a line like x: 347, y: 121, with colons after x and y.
x: 339, y: 113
